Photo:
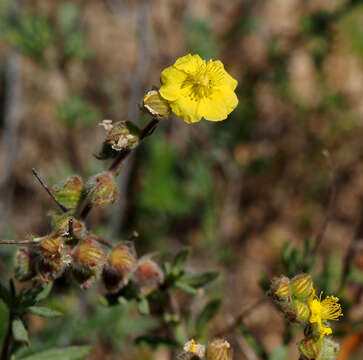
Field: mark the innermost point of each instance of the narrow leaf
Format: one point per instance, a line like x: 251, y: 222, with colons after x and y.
x: 69, y: 353
x: 208, y: 313
x: 200, y: 280
x: 19, y: 332
x: 44, y: 311
x: 181, y: 257
x: 44, y: 292
x: 186, y: 288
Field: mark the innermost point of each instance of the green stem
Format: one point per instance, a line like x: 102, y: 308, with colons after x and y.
x: 5, y: 352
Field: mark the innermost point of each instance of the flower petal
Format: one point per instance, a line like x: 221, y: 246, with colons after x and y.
x: 219, y: 105
x: 216, y: 70
x: 191, y: 64
x: 187, y: 109
x: 172, y: 80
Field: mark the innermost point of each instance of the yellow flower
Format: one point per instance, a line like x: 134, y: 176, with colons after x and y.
x: 328, y: 309
x: 195, y: 89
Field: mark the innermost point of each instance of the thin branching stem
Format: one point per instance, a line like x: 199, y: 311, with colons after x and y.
x: 22, y: 242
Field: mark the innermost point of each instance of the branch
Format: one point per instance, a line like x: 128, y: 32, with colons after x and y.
x: 86, y: 207
x: 46, y: 188
x: 22, y: 242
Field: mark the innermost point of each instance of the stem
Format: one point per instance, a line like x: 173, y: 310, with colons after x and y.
x: 46, y: 188
x: 8, y: 339
x: 87, y: 206
x: 22, y: 242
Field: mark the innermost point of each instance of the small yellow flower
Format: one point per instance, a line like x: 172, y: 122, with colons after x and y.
x: 194, y: 348
x: 195, y: 88
x: 328, y: 309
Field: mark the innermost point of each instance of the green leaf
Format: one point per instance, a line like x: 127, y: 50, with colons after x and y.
x: 200, y: 280
x: 44, y: 292
x: 5, y: 295
x: 155, y: 341
x: 279, y: 353
x: 69, y: 353
x: 208, y: 313
x: 143, y: 306
x: 181, y: 257
x: 44, y: 312
x: 186, y: 288
x: 19, y: 332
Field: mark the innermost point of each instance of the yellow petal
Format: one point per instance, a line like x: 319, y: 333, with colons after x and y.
x: 216, y: 71
x: 191, y: 64
x: 171, y: 79
x: 187, y: 109
x: 219, y: 105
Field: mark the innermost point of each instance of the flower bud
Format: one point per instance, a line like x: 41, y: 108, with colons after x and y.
x: 310, y: 348
x: 61, y: 224
x: 154, y: 104
x: 330, y: 349
x: 24, y: 264
x: 280, y: 289
x: 121, y: 135
x: 301, y: 286
x: 102, y: 188
x: 219, y: 349
x: 120, y: 265
x: 69, y: 193
x: 52, y: 257
x: 298, y: 312
x: 148, y: 275
x: 88, y: 259
x: 194, y: 349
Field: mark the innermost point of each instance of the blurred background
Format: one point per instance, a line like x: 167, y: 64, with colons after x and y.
x: 235, y: 191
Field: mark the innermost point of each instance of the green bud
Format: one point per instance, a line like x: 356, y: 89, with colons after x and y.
x: 298, y: 312
x: 148, y: 275
x: 154, y: 104
x: 102, y: 188
x: 88, y: 259
x: 280, y: 289
x: 330, y: 349
x: 219, y: 349
x: 23, y: 264
x: 121, y: 135
x: 121, y: 263
x: 310, y: 348
x: 302, y: 286
x: 69, y: 193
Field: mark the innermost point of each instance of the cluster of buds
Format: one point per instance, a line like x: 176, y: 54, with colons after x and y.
x: 297, y: 299
x: 217, y: 349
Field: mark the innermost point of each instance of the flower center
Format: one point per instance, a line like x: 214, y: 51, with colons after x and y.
x: 198, y: 86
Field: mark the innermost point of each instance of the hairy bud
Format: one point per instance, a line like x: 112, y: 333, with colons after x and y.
x: 88, y: 259
x: 69, y: 193
x: 24, y: 264
x: 194, y: 349
x: 280, y: 289
x: 219, y: 349
x: 154, y: 104
x: 298, y: 312
x: 310, y: 348
x: 148, y: 275
x: 102, y: 188
x: 302, y: 286
x: 120, y: 265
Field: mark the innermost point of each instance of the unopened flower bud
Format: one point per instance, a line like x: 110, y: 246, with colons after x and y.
x: 301, y: 286
x: 88, y: 259
x: 310, y: 348
x: 280, y: 289
x: 330, y: 349
x: 52, y: 259
x: 298, y: 312
x: 148, y: 275
x: 69, y: 192
x: 194, y: 349
x: 120, y: 265
x: 61, y: 224
x: 154, y: 104
x: 102, y: 188
x: 121, y: 135
x: 24, y: 264
x: 218, y: 349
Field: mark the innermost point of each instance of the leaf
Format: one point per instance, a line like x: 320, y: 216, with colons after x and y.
x: 181, y: 257
x: 5, y: 295
x: 143, y: 306
x: 208, y: 313
x: 185, y: 288
x: 19, y: 332
x: 200, y: 280
x: 279, y: 353
x: 44, y: 292
x: 44, y: 312
x: 69, y: 353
